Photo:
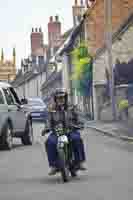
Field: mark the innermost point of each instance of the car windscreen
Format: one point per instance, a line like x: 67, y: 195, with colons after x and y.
x: 32, y: 102
x: 15, y: 95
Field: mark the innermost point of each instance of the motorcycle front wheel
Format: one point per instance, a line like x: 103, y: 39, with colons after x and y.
x: 65, y: 168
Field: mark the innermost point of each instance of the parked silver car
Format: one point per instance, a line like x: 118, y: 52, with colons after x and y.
x: 14, y: 121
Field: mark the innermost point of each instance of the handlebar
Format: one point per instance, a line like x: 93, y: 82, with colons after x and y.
x: 79, y: 126
x: 72, y: 126
x: 45, y: 131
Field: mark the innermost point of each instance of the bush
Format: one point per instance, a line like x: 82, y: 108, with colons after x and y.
x: 123, y: 104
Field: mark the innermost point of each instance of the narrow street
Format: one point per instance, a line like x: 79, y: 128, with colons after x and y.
x: 24, y: 172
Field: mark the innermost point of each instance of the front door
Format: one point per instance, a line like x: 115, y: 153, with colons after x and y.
x: 17, y: 115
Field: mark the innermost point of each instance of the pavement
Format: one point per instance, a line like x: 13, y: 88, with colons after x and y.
x: 119, y: 129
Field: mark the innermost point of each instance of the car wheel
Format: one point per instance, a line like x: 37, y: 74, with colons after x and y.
x: 27, y: 138
x: 7, y: 137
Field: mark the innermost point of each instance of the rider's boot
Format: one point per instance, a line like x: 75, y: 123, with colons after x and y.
x: 53, y: 171
x: 82, y: 166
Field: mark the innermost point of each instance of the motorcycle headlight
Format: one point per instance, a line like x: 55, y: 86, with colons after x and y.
x: 59, y: 130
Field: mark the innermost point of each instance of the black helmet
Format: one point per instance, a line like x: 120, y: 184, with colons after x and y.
x: 61, y: 93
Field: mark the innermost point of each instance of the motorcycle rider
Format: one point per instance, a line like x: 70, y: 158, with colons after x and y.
x: 70, y: 118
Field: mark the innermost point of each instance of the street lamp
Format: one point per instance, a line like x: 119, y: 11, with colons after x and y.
x: 8, y: 77
x: 108, y: 41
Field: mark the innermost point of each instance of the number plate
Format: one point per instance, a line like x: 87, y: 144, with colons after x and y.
x: 36, y: 114
x: 61, y: 145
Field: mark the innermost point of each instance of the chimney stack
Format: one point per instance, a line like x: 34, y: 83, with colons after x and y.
x: 89, y: 3
x: 54, y: 31
x: 36, y: 40
x: 78, y: 10
x: 51, y: 19
x: 76, y: 2
x: 56, y: 18
x: 82, y: 3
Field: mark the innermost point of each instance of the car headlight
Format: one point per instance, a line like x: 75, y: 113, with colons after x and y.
x: 27, y: 113
x: 41, y: 109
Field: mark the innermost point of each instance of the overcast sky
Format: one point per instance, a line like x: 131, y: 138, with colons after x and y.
x: 17, y: 17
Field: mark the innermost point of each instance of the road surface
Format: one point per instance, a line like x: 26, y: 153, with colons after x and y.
x: 24, y: 172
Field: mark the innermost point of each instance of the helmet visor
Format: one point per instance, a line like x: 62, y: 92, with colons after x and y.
x: 60, y: 99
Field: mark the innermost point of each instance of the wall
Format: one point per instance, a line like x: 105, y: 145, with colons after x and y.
x: 48, y: 90
x: 95, y: 21
x: 32, y: 87
x: 122, y: 49
x: 104, y: 111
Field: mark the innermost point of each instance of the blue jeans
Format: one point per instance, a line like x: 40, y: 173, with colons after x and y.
x: 77, y: 147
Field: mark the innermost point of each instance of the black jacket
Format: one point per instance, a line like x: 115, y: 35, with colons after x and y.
x: 69, y: 118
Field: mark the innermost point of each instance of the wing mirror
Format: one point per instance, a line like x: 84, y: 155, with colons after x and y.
x: 18, y: 106
x: 24, y: 101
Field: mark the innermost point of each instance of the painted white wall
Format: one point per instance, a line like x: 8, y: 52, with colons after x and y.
x: 65, y: 73
x: 31, y: 86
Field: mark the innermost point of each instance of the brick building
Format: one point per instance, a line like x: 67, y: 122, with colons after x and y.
x: 122, y: 51
x: 95, y: 21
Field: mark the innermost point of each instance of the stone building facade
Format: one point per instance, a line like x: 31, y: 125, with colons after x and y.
x: 94, y: 32
x: 122, y: 50
x: 8, y: 67
x: 48, y: 87
x: 29, y: 84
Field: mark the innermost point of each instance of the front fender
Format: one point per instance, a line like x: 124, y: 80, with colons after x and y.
x: 28, y: 116
x: 4, y: 118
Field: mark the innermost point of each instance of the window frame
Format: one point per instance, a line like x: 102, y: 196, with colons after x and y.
x: 14, y: 95
x: 7, y: 89
x: 1, y: 91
